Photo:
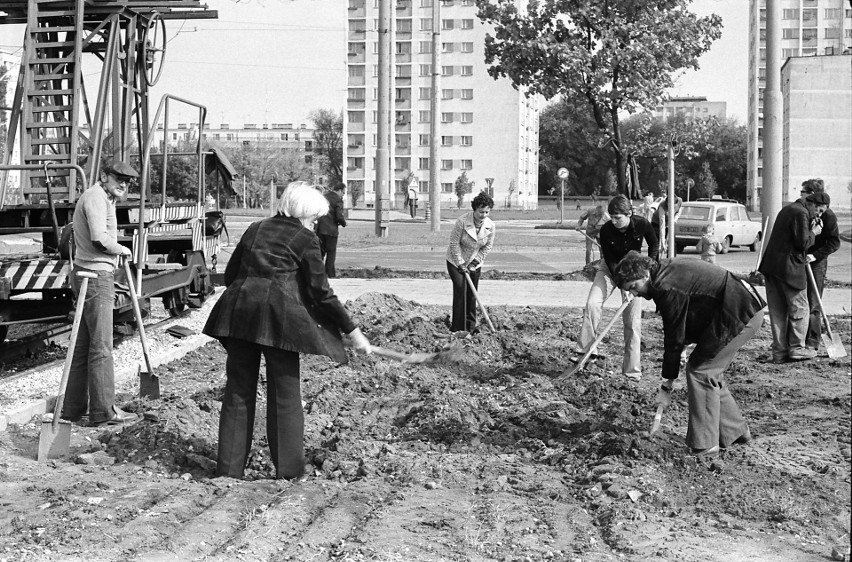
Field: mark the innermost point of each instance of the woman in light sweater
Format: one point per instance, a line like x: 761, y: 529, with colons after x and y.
x: 470, y: 241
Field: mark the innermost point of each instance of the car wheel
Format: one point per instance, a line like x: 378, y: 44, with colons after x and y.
x: 753, y: 246
x: 726, y: 244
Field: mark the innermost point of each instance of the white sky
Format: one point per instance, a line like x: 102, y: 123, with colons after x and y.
x: 273, y: 61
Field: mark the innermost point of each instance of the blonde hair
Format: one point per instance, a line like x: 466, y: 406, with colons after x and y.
x: 302, y: 200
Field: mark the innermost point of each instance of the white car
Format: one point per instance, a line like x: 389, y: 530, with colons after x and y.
x: 732, y: 224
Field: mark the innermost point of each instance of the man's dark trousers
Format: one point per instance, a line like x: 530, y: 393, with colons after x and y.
x: 328, y: 248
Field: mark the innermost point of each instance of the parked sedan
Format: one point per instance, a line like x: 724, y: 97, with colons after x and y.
x: 733, y: 225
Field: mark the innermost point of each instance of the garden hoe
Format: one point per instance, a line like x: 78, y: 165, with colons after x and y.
x: 149, y: 382
x: 582, y: 362
x: 478, y: 301
x: 55, y: 438
x: 830, y: 340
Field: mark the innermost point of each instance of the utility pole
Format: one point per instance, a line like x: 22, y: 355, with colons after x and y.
x: 670, y: 202
x: 434, y: 109
x: 770, y: 193
x: 383, y: 141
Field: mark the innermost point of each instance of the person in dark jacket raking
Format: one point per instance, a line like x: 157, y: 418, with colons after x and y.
x: 703, y: 304
x: 278, y: 303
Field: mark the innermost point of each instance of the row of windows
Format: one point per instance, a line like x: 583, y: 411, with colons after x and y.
x: 255, y: 137
x: 810, y: 14
x: 404, y: 71
x: 404, y: 4
x: 425, y: 117
x: 357, y: 163
x: 404, y: 25
x: 404, y: 94
x: 356, y: 141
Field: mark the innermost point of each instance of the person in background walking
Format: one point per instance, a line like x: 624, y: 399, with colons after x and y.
x: 709, y: 245
x: 470, y: 242
x: 716, y: 310
x: 825, y: 243
x: 412, y: 201
x: 624, y: 232
x: 327, y: 230
x: 277, y: 304
x: 648, y: 207
x: 594, y: 218
x: 91, y: 380
x: 786, y: 278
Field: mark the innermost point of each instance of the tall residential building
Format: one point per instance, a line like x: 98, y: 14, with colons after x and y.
x: 809, y: 28
x: 691, y: 109
x: 487, y: 129
x: 817, y: 125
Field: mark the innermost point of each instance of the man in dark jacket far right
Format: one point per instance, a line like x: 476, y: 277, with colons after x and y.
x: 786, y: 277
x: 825, y: 243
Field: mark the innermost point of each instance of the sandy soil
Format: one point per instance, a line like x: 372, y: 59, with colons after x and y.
x: 490, y: 458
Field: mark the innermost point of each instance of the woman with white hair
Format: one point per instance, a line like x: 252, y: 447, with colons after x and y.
x: 278, y: 303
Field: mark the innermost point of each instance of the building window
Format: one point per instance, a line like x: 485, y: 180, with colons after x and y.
x: 446, y: 117
x: 446, y: 141
x: 423, y: 186
x: 375, y: 93
x: 355, y: 117
x: 467, y: 2
x: 809, y: 52
x: 403, y: 48
x: 375, y: 47
x: 447, y: 24
x: 809, y: 17
x: 792, y: 33
x: 425, y: 116
x: 467, y: 47
x: 425, y: 3
x: 425, y: 93
x: 849, y: 13
x: 446, y: 164
x: 425, y: 69
x: 424, y: 140
x: 356, y: 71
x: 375, y: 70
x: 790, y: 14
x: 403, y: 26
x: 763, y: 54
x: 446, y: 188
x: 467, y: 94
x: 447, y: 47
x: 285, y: 136
x: 466, y: 141
x: 832, y: 33
x: 809, y: 34
x: 309, y: 146
x: 425, y: 47
x: 832, y: 13
x: 403, y: 71
x: 375, y: 117
x: 847, y: 33
x: 446, y: 94
x: 375, y: 142
x: 467, y: 24
x: 230, y: 136
x: 423, y: 163
x: 356, y: 94
x: 425, y: 24
x: 785, y: 53
x: 467, y: 164
x: 467, y: 71
x: 446, y: 71
x: 467, y: 117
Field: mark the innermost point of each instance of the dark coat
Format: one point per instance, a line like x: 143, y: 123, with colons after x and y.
x: 278, y: 294
x: 700, y: 303
x: 785, y: 254
x: 828, y: 241
x: 616, y: 243
x: 327, y: 224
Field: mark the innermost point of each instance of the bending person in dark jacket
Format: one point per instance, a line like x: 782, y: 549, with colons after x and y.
x: 707, y: 305
x: 278, y: 304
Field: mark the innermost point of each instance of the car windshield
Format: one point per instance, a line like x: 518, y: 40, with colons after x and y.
x: 694, y: 212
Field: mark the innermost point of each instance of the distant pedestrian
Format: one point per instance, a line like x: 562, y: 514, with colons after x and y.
x: 470, y: 242
x: 648, y: 207
x: 624, y: 232
x: 594, y: 218
x: 412, y: 201
x: 277, y: 304
x: 662, y: 215
x: 327, y: 227
x: 709, y: 245
x: 577, y: 203
x: 825, y: 243
x: 786, y: 278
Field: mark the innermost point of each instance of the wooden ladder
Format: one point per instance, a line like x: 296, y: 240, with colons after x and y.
x: 49, y: 94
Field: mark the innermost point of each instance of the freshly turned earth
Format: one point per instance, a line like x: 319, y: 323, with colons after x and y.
x: 490, y: 458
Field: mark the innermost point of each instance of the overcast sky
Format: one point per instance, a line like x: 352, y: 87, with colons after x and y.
x: 273, y: 61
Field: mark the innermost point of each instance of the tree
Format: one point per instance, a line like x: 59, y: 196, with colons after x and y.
x: 616, y: 54
x: 328, y: 143
x: 706, y: 184
x: 462, y: 186
x: 568, y: 138
x: 261, y: 163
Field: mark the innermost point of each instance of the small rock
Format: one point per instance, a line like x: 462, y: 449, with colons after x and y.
x: 200, y: 461
x: 98, y: 458
x: 431, y: 485
x: 186, y: 476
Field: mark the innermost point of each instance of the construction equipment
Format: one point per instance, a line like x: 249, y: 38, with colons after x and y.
x: 588, y: 353
x: 830, y: 340
x: 478, y: 300
x: 81, y: 98
x: 55, y: 438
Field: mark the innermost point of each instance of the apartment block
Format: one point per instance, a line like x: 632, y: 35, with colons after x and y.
x: 817, y: 125
x: 487, y: 129
x: 809, y: 28
x: 691, y: 109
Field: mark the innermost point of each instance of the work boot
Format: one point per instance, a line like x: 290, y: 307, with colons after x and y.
x: 802, y: 354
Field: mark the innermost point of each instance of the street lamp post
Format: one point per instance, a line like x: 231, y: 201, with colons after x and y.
x: 563, y: 175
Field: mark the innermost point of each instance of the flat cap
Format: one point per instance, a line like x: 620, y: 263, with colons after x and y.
x: 119, y: 168
x: 819, y: 198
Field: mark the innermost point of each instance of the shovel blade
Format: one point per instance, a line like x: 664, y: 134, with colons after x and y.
x: 53, y: 441
x: 833, y: 346
x: 149, y: 385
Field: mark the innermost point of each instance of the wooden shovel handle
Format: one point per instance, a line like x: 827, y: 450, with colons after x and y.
x: 819, y: 300
x: 478, y: 301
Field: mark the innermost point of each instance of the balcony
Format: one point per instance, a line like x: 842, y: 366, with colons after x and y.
x: 356, y: 81
x: 357, y: 57
x: 402, y: 126
x: 357, y: 34
x: 355, y: 103
x: 356, y: 127
x: 355, y: 149
x: 402, y: 103
x: 402, y: 58
x: 357, y: 12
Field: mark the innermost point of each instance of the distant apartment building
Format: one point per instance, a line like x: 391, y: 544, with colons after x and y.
x: 282, y: 135
x: 487, y: 129
x: 809, y: 28
x: 690, y: 108
x: 817, y: 125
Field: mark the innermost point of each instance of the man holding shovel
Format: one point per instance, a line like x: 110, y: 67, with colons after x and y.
x: 711, y: 307
x: 91, y: 383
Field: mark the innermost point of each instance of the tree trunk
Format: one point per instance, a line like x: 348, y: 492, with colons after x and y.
x: 620, y: 160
